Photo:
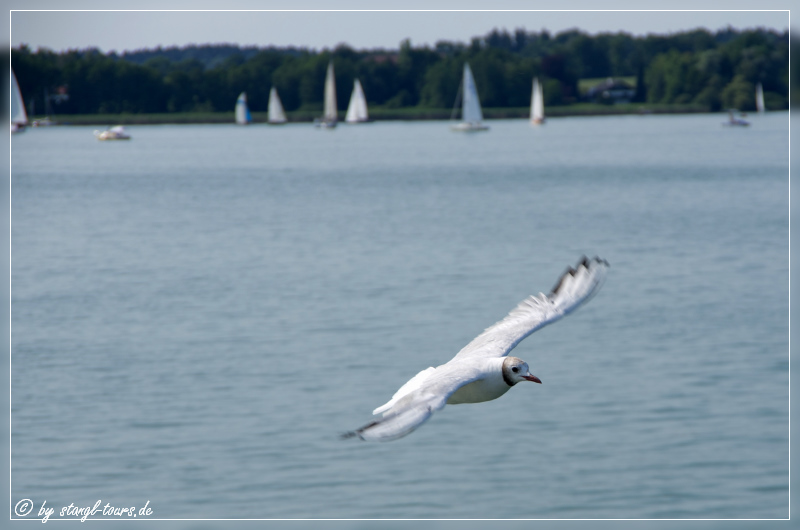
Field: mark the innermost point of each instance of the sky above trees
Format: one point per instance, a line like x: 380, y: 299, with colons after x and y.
x: 131, y: 30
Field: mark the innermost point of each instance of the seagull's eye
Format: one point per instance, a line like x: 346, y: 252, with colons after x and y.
x: 515, y: 369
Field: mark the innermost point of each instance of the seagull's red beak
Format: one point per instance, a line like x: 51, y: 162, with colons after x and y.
x: 531, y: 377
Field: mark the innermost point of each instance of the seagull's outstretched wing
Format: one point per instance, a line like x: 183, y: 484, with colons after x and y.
x: 575, y: 287
x: 397, y: 424
x: 414, y: 408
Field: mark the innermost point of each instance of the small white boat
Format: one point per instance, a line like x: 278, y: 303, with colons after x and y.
x: 114, y: 133
x: 275, y: 113
x: 733, y: 121
x: 471, y: 114
x: 242, y: 112
x: 47, y: 121
x: 760, y: 99
x: 19, y: 118
x: 537, y: 103
x: 357, y: 109
x: 329, y: 114
x: 44, y: 122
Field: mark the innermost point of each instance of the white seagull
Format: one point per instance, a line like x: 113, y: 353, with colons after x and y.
x: 481, y: 371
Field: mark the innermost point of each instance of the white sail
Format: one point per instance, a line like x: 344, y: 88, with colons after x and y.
x: 471, y: 115
x: 537, y: 103
x: 760, y: 98
x: 242, y: 112
x: 18, y: 116
x: 275, y: 113
x: 357, y: 109
x: 329, y: 114
x: 471, y: 110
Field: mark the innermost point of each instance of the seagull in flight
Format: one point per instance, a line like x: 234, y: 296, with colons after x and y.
x: 482, y: 370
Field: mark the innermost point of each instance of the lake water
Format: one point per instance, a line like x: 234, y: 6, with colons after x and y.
x: 198, y: 314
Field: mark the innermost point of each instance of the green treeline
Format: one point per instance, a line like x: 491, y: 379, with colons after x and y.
x: 715, y: 70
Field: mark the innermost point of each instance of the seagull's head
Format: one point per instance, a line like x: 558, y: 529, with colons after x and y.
x: 516, y: 370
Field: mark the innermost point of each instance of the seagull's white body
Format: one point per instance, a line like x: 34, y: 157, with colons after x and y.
x: 481, y: 371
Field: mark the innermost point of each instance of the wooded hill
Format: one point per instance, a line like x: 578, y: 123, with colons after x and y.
x: 715, y: 70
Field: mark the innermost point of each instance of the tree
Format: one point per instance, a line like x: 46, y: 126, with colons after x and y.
x: 738, y: 94
x: 711, y: 69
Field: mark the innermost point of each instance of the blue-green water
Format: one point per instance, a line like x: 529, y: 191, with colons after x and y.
x: 197, y: 314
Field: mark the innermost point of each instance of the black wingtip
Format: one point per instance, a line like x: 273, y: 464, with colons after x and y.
x: 357, y: 432
x: 598, y: 259
x: 585, y: 262
x: 570, y: 271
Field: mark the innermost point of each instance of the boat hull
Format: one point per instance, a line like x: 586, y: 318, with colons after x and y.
x: 108, y: 135
x: 469, y: 127
x: 324, y: 124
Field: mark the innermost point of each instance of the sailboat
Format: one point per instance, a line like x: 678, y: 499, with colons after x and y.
x: 357, y: 109
x: 537, y: 103
x: 114, y: 133
x: 329, y: 115
x: 471, y: 115
x: 275, y: 114
x: 760, y: 99
x: 242, y: 112
x: 18, y: 116
x: 733, y: 121
x: 48, y: 111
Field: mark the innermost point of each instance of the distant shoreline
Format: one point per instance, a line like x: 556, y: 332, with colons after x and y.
x: 379, y: 114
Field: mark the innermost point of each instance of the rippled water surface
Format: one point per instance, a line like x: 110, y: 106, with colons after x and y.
x: 198, y: 313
